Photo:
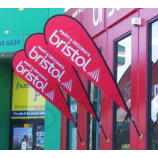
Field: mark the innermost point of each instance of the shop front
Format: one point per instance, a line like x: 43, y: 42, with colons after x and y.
x: 27, y: 117
x: 127, y: 39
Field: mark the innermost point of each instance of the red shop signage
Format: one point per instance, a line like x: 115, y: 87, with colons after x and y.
x: 115, y: 14
x: 93, y: 19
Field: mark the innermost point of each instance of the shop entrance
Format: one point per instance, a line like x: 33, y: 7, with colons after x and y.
x: 27, y: 117
x: 27, y: 134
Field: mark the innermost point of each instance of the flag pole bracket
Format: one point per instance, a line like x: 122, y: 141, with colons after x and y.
x: 108, y: 140
x: 82, y: 143
x: 141, y: 136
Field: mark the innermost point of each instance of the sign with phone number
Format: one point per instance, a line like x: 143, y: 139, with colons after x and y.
x: 10, y: 42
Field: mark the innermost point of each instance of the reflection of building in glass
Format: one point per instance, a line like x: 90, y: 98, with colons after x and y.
x: 154, y: 92
x: 124, y: 84
x: 121, y: 55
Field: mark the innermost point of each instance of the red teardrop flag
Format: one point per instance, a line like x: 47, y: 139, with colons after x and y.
x: 47, y: 88
x: 56, y: 69
x: 67, y: 37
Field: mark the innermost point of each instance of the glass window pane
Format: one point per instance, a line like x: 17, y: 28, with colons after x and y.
x: 22, y: 136
x: 154, y: 86
x: 72, y: 128
x: 124, y: 83
x: 96, y: 99
x: 40, y: 137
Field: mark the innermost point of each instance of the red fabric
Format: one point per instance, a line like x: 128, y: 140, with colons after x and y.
x: 56, y: 69
x: 69, y: 39
x: 35, y: 78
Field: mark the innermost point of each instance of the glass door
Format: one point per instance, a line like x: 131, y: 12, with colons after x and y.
x: 95, y: 97
x: 122, y: 59
x: 123, y: 65
x: 153, y: 68
x: 72, y: 129
x: 148, y: 56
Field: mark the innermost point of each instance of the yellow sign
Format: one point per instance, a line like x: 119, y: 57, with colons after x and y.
x: 21, y: 9
x: 125, y: 147
x: 26, y: 102
x: 26, y: 125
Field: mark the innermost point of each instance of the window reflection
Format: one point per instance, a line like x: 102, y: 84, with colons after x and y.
x: 40, y: 137
x: 96, y: 98
x: 154, y: 86
x: 124, y: 83
x: 72, y: 128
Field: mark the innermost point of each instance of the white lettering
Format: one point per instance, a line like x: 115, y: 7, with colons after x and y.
x: 99, y: 19
x: 45, y: 64
x: 57, y: 38
x: 20, y: 66
x: 33, y: 51
x: 69, y: 51
x: 31, y: 77
x: 112, y: 11
x: 77, y: 12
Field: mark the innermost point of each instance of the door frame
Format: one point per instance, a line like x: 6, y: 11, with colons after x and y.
x: 148, y: 15
x: 114, y: 33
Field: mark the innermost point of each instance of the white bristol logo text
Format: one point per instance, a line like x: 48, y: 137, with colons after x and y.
x: 68, y: 50
x: 31, y: 77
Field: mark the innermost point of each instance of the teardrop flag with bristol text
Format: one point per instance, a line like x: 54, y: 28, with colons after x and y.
x: 58, y: 70
x: 36, y: 79
x: 67, y: 37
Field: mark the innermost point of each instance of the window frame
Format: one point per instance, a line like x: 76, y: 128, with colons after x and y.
x: 115, y: 44
x: 149, y: 79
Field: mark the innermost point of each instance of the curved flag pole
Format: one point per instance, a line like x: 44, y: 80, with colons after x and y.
x: 97, y: 118
x: 92, y: 75
x: 100, y: 125
x: 82, y: 142
x: 75, y: 124
x: 38, y: 39
x: 131, y: 118
x: 36, y: 65
x: 27, y: 67
x: 122, y: 125
x: 95, y: 115
x: 133, y: 121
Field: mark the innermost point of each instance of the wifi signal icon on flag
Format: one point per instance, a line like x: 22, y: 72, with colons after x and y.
x: 94, y: 74
x: 68, y: 85
x: 50, y: 95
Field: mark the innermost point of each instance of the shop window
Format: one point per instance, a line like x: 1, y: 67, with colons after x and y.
x: 96, y: 98
x: 40, y: 136
x: 153, y: 65
x: 123, y: 77
x: 22, y: 137
x: 26, y: 135
x: 72, y: 131
x: 94, y: 131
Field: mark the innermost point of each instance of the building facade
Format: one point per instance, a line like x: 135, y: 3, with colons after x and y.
x: 128, y: 41
x: 24, y: 113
